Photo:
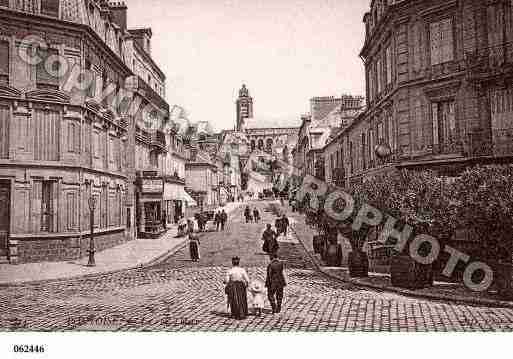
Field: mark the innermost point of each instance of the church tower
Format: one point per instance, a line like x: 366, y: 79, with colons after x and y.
x: 244, y: 107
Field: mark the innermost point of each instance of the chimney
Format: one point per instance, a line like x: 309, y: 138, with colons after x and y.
x: 119, y: 14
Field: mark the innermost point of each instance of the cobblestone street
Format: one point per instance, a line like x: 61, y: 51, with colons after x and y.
x: 179, y: 295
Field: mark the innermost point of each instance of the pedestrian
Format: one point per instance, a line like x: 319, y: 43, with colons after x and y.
x: 217, y: 220
x: 224, y: 219
x: 270, y: 244
x: 194, y: 246
x: 285, y: 224
x: 237, y: 281
x: 257, y: 290
x: 247, y: 214
x: 279, y: 226
x: 256, y: 215
x: 164, y: 219
x: 182, y: 226
x: 275, y: 283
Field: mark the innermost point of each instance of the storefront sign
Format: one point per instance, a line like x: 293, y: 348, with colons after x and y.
x: 152, y: 186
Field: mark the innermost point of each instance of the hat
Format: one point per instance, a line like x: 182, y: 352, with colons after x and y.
x: 257, y: 286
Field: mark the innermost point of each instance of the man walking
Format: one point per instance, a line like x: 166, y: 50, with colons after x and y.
x: 275, y: 282
x: 256, y: 215
x: 224, y: 219
x: 217, y: 220
x: 269, y: 238
x: 284, y: 224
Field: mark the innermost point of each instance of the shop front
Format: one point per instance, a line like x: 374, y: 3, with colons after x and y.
x: 149, y: 199
x: 176, y: 200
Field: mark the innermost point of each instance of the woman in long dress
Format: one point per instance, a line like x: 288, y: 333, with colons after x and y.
x: 194, y: 246
x: 237, y: 281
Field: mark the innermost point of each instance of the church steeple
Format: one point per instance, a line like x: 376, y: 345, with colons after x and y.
x: 244, y: 107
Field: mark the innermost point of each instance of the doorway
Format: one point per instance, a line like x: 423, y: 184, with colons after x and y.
x: 5, y: 216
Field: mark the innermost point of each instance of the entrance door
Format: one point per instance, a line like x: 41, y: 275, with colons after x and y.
x: 5, y: 209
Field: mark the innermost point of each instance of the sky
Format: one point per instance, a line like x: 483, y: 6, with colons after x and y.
x: 285, y: 51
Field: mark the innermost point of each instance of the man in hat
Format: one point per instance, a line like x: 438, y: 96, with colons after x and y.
x: 275, y: 282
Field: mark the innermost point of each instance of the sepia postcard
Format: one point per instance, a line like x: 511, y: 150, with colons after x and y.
x: 255, y: 166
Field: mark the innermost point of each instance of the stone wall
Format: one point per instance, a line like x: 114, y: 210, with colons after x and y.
x: 56, y: 249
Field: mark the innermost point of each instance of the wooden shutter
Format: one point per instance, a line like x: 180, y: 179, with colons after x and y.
x: 43, y: 78
x: 4, y: 62
x: 5, y: 115
x: 434, y: 110
x: 447, y: 47
x: 37, y: 189
x: 435, y: 39
x: 46, y: 135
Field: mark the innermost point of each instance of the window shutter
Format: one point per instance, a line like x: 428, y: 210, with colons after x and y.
x: 434, y: 110
x: 435, y: 38
x: 42, y: 75
x: 447, y: 41
x: 4, y: 58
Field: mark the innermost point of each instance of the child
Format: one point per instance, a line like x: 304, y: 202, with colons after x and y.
x: 257, y: 290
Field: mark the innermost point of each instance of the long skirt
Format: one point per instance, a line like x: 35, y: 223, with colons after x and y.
x: 237, y: 299
x: 194, y: 250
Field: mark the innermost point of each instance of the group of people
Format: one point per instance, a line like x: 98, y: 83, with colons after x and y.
x: 282, y: 225
x: 238, y: 284
x: 220, y: 219
x: 251, y: 215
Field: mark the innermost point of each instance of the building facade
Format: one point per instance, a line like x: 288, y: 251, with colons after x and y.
x: 81, y: 114
x: 328, y: 115
x: 438, y: 88
x: 60, y: 148
x: 202, y: 180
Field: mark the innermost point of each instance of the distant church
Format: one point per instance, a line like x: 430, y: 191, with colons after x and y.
x: 274, y: 137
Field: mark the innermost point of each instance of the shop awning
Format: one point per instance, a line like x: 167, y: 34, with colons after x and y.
x: 174, y: 192
x: 184, y: 196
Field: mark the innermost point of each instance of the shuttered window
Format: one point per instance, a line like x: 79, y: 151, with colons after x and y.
x: 442, y: 44
x: 4, y: 3
x: 388, y: 59
x: 4, y: 63
x: 44, y: 79
x: 5, y: 115
x: 46, y: 135
x: 50, y: 7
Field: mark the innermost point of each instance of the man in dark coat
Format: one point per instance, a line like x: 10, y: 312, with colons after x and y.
x: 284, y: 224
x: 269, y: 238
x: 217, y: 220
x: 275, y: 282
x: 224, y: 219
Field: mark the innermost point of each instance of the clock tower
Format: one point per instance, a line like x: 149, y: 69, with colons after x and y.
x: 244, y: 107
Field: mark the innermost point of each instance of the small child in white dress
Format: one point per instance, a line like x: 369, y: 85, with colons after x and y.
x: 257, y: 290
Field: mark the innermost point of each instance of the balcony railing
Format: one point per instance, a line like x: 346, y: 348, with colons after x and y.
x: 489, y: 62
x: 151, y: 95
x: 476, y: 143
x: 158, y: 140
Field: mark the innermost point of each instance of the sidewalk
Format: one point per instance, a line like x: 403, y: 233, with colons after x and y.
x: 133, y: 254
x: 441, y: 291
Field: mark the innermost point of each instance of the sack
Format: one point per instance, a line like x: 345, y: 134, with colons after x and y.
x: 265, y: 246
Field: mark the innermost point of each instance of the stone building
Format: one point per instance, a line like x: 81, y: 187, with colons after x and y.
x: 202, y: 179
x: 439, y: 91
x: 78, y: 93
x: 328, y: 115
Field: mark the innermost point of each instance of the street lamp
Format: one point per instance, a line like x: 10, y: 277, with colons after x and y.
x: 92, y: 206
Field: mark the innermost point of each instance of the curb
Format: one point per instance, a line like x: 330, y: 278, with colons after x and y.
x: 406, y: 292
x: 153, y: 262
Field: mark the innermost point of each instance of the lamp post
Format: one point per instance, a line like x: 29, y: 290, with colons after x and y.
x: 92, y: 206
